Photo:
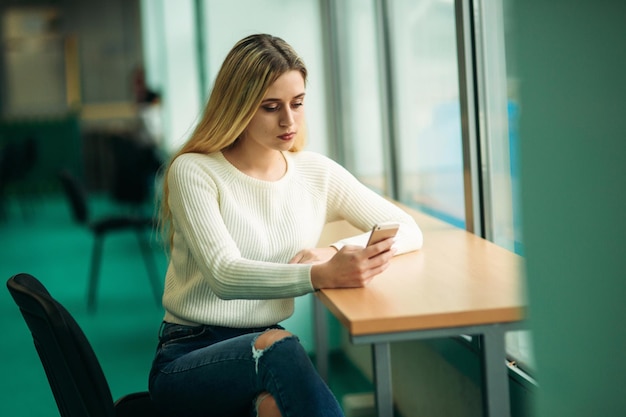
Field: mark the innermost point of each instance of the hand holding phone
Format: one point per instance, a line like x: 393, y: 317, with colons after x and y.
x: 382, y: 231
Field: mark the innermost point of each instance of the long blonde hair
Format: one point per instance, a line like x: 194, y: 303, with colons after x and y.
x: 249, y: 69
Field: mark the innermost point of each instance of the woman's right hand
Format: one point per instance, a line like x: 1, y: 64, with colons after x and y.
x: 353, y: 266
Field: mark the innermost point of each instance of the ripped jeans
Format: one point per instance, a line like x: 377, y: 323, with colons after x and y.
x: 201, y: 371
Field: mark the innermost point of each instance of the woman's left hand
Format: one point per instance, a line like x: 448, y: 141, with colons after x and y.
x: 313, y: 256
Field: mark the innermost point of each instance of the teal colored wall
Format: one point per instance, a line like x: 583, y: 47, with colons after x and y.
x: 572, y: 65
x: 57, y: 145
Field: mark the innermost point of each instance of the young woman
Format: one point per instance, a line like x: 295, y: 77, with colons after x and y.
x: 244, y: 207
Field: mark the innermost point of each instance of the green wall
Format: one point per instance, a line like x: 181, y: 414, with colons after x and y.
x: 57, y: 145
x: 572, y: 65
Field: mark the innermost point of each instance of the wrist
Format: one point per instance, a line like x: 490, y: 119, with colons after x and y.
x: 317, y: 273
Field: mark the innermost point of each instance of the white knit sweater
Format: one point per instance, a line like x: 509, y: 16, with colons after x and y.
x: 234, y: 234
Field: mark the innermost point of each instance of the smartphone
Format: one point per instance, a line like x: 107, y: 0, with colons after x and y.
x: 382, y: 231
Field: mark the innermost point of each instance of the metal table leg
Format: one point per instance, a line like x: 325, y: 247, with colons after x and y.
x: 321, y: 338
x: 381, y: 356
x: 495, y: 375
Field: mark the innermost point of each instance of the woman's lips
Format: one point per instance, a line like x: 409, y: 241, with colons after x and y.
x: 287, y: 136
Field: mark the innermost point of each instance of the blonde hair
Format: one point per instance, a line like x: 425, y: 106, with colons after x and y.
x: 249, y: 69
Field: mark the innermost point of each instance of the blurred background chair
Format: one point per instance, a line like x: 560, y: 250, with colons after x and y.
x: 135, y: 167
x: 141, y: 225
x: 17, y: 159
x: 74, y: 373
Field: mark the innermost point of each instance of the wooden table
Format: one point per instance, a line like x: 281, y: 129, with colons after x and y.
x: 457, y: 284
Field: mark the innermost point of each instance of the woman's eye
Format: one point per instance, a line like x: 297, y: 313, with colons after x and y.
x: 274, y: 107
x: 270, y: 108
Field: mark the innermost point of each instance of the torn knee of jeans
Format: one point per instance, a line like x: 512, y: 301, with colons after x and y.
x: 258, y: 352
x: 256, y: 355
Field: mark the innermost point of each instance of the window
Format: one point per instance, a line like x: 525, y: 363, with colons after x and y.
x: 359, y: 93
x: 427, y: 118
x: 413, y: 97
x: 402, y: 109
x: 499, y: 112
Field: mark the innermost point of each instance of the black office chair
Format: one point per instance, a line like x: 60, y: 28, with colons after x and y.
x: 77, y: 197
x: 18, y: 159
x: 135, y: 167
x: 77, y: 381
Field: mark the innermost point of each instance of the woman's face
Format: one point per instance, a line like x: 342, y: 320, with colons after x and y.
x: 276, y: 122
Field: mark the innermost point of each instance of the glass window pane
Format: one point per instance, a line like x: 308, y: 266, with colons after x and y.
x: 171, y: 62
x: 427, y: 107
x: 361, y: 113
x: 500, y: 113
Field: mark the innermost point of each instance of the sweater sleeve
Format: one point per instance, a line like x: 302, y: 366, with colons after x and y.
x: 201, y: 234
x: 352, y: 201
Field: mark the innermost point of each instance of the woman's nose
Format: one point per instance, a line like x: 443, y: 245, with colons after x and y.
x: 286, y: 117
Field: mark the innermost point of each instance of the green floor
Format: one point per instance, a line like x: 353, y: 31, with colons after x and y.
x: 40, y: 238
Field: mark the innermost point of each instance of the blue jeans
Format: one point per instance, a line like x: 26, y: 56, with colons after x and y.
x: 201, y: 371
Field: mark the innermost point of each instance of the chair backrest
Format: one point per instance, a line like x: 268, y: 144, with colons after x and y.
x: 135, y: 167
x: 76, y: 196
x: 74, y: 373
